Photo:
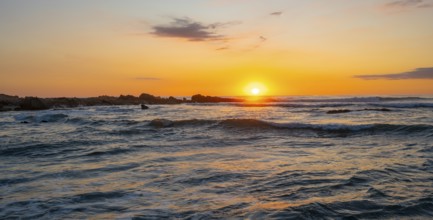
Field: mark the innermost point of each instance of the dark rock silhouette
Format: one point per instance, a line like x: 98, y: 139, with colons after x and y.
x: 161, y: 123
x: 9, y: 99
x: 144, y: 107
x: 127, y: 97
x: 11, y: 103
x: 173, y: 100
x: 63, y: 102
x: 33, y: 103
x: 15, y: 103
x: 212, y: 99
x: 150, y: 99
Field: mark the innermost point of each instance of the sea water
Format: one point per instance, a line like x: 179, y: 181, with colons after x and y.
x: 288, y: 159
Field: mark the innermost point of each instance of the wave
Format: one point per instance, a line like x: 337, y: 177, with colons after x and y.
x: 291, y: 105
x: 261, y: 124
x: 313, y: 105
x: 45, y: 149
x: 252, y: 123
x: 358, y: 99
x: 235, y: 123
x: 406, y: 105
x: 359, y: 209
x: 28, y: 118
x: 161, y: 123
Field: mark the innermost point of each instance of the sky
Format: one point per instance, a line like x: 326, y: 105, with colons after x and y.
x: 80, y: 48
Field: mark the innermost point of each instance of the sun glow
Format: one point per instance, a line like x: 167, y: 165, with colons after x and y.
x: 255, y: 89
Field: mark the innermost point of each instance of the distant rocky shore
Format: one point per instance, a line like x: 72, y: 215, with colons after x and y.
x: 15, y: 103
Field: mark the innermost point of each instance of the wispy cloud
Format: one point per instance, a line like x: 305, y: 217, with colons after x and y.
x: 277, y: 13
x: 222, y: 48
x: 420, y: 73
x: 191, y: 30
x: 147, y: 78
x: 404, y: 3
x: 409, y: 4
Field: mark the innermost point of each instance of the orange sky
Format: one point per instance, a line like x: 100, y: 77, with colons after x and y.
x: 216, y: 47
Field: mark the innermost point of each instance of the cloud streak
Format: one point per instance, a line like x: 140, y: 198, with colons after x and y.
x: 191, y: 30
x: 409, y: 3
x: 277, y: 13
x: 420, y: 73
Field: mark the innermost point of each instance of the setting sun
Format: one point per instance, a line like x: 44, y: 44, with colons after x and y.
x: 255, y: 91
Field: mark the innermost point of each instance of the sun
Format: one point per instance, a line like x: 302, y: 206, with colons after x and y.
x: 255, y: 91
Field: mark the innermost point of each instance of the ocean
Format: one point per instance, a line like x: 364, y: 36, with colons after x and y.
x: 296, y: 158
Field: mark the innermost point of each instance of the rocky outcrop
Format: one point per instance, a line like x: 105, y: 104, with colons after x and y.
x: 150, y: 99
x: 33, y: 103
x: 10, y: 103
x: 62, y: 102
x: 147, y: 98
x: 212, y: 99
x: 8, y: 99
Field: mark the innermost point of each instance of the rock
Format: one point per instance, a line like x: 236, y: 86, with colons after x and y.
x: 147, y: 98
x: 33, y: 103
x: 144, y: 107
x: 4, y: 108
x: 62, y: 102
x: 11, y: 103
x: 173, y: 100
x: 150, y: 99
x: 212, y: 99
x: 161, y: 123
x: 8, y: 99
x: 127, y: 97
x: 8, y: 102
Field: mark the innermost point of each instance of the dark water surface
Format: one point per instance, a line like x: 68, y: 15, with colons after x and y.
x: 283, y: 160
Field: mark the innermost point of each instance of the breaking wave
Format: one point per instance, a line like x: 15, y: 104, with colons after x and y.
x: 261, y: 124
